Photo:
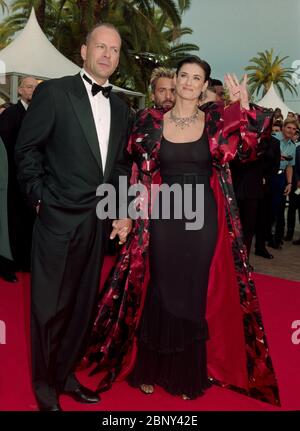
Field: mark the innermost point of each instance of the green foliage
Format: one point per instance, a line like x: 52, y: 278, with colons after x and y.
x: 3, y: 6
x: 151, y: 31
x: 265, y: 70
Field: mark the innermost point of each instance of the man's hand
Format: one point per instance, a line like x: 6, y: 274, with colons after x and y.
x: 287, y: 189
x: 37, y: 207
x: 121, y: 228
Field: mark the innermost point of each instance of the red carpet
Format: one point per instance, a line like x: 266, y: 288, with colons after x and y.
x: 280, y: 303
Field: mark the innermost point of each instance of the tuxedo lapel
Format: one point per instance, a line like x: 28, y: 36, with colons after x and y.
x: 21, y: 109
x: 82, y: 107
x: 114, y: 135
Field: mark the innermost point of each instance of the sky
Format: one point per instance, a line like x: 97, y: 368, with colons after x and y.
x: 230, y: 32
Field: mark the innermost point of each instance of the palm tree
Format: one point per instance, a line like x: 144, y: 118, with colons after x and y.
x: 160, y: 45
x: 3, y: 6
x: 176, y: 50
x: 92, y: 11
x: 266, y: 70
x: 21, y: 9
x: 150, y: 31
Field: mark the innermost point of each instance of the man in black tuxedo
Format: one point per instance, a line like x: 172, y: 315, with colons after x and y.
x: 73, y: 139
x: 20, y: 215
x: 250, y: 186
x: 270, y: 165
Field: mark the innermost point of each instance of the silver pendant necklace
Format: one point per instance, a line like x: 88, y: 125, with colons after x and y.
x: 183, y: 122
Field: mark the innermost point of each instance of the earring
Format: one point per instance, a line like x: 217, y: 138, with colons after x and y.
x: 203, y: 95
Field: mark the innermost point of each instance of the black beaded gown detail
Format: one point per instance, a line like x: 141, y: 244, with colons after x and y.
x: 173, y: 330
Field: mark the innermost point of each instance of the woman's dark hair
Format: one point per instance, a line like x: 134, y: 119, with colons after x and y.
x: 213, y: 82
x: 277, y: 124
x: 193, y: 59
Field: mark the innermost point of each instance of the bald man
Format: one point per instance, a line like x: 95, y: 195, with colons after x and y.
x: 20, y: 216
x: 73, y: 139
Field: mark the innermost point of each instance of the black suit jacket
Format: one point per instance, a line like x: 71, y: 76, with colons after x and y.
x: 58, y: 155
x: 10, y: 124
x: 248, y: 177
x: 296, y: 170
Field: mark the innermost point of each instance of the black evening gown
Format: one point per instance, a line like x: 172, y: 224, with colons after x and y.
x: 173, y: 330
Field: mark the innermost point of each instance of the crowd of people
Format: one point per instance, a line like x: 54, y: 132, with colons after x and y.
x: 263, y: 188
x: 288, y: 133
x: 67, y: 136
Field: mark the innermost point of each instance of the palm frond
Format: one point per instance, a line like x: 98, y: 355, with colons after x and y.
x: 264, y: 69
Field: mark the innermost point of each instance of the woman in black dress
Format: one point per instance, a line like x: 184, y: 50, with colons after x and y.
x: 176, y: 293
x: 173, y: 330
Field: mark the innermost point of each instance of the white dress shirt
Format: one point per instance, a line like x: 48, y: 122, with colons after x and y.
x: 24, y: 104
x: 101, y: 113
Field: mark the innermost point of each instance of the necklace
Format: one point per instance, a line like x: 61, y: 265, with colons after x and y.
x: 183, y: 122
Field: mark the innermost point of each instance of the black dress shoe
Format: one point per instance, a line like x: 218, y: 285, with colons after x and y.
x: 288, y: 237
x: 296, y: 242
x: 83, y: 395
x: 264, y: 253
x: 9, y: 276
x: 51, y: 408
x: 274, y: 244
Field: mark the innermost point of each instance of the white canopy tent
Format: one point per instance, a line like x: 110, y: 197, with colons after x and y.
x: 272, y: 100
x: 32, y: 54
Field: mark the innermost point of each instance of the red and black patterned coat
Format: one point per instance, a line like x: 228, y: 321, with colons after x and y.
x: 238, y: 354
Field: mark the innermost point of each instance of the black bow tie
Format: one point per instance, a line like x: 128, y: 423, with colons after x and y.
x: 97, y: 88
